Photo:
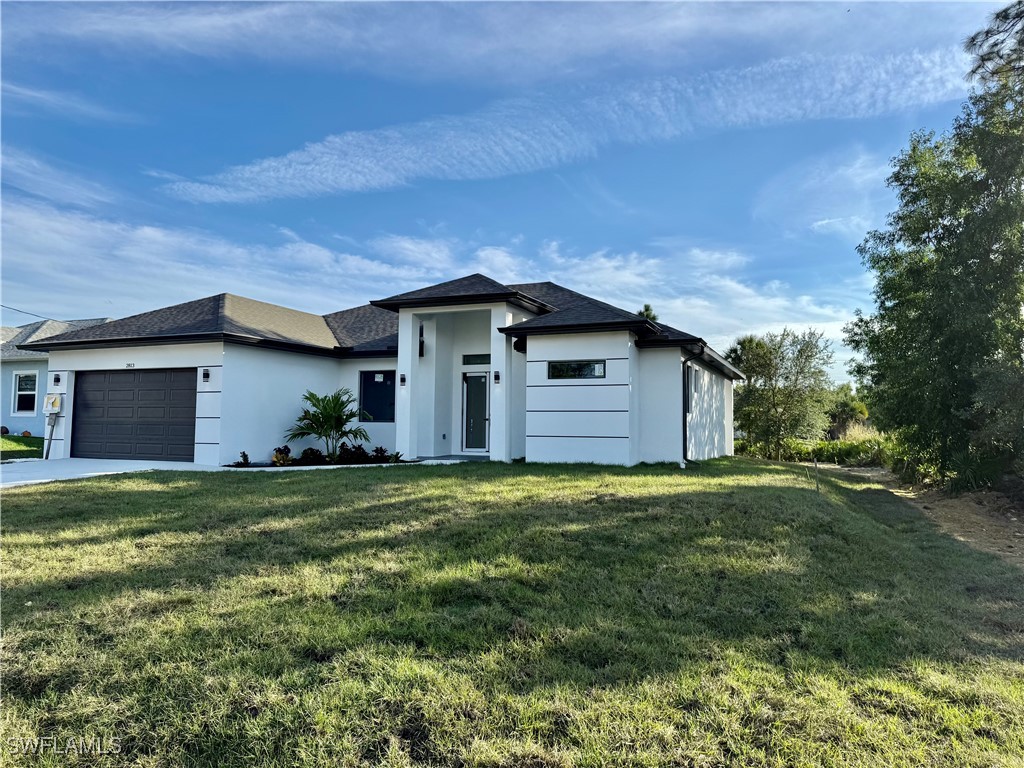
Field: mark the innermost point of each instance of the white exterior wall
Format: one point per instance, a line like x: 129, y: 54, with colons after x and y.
x: 209, y: 355
x: 261, y: 396
x: 580, y: 419
x: 709, y: 431
x: 661, y: 405
x: 381, y: 432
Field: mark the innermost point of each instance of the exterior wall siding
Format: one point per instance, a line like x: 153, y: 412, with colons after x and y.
x: 570, y: 419
x: 710, y: 419
x: 260, y: 399
x: 661, y: 405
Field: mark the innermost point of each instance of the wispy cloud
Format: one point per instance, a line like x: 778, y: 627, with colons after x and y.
x: 522, y: 135
x: 491, y: 42
x: 841, y: 194
x: 66, y: 263
x: 30, y: 173
x: 61, y: 103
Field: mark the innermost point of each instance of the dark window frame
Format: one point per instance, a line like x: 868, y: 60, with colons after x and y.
x: 570, y: 375
x: 394, y: 396
x: 466, y: 359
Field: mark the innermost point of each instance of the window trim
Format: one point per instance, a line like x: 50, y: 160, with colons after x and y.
x: 15, y: 393
x: 385, y: 371
x: 602, y: 375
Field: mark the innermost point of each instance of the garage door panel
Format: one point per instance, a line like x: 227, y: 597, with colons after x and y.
x: 128, y: 414
x: 158, y: 376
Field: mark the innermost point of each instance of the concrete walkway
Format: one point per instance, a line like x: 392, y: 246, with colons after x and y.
x: 42, y: 471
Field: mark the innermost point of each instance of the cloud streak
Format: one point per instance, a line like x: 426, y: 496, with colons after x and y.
x: 523, y: 135
x: 30, y: 173
x: 490, y: 42
x: 60, y: 103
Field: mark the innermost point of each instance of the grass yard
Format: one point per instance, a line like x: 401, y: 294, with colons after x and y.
x: 505, y: 615
x: 18, y: 447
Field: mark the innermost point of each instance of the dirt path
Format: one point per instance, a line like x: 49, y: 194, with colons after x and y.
x: 986, y: 520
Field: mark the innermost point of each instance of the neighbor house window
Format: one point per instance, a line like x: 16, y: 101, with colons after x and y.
x: 25, y: 392
x: 576, y: 369
x: 377, y: 395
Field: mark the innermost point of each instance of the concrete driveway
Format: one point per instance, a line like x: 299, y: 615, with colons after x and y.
x: 44, y: 471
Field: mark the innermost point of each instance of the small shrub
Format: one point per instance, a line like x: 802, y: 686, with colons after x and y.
x: 312, y: 457
x: 396, y: 457
x: 357, y: 454
x: 381, y: 454
x: 282, y: 456
x: 26, y: 433
x: 972, y: 470
x: 243, y: 460
x: 4, y: 431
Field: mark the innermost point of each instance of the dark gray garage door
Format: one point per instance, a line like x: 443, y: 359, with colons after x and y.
x: 144, y: 414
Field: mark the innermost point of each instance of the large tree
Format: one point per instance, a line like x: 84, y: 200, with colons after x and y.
x: 942, y: 350
x: 787, y: 392
x: 998, y: 49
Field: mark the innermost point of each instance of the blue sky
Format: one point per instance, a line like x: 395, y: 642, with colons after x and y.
x: 720, y: 161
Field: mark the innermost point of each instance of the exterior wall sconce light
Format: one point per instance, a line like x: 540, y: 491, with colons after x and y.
x: 206, y: 375
x: 401, y: 379
x: 497, y: 377
x: 56, y: 378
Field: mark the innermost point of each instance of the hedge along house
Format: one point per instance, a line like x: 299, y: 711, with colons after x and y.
x: 469, y: 367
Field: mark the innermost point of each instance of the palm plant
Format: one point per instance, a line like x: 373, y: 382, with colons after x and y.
x: 329, y: 418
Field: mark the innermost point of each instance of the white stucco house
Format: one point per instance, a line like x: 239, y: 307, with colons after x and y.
x: 469, y: 367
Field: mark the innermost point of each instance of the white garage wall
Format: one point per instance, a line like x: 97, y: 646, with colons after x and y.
x: 381, y: 433
x: 661, y: 405
x: 262, y: 396
x: 579, y: 419
x: 710, y: 420
x: 202, y: 355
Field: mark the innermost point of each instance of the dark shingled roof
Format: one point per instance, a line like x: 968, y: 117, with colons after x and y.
x: 365, y: 330
x: 573, y: 311
x: 220, y: 316
x: 370, y: 330
x: 472, y: 289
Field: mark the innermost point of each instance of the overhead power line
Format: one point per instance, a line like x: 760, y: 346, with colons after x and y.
x: 22, y: 311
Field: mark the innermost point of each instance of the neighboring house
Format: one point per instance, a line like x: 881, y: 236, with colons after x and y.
x: 22, y: 372
x: 466, y: 367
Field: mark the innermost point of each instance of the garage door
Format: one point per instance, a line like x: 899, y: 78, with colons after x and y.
x: 145, y: 414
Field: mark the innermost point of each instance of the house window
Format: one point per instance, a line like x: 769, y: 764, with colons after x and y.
x: 25, y: 392
x: 377, y: 395
x: 476, y: 359
x: 576, y: 369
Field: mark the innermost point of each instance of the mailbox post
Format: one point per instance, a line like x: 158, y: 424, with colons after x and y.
x: 52, y: 404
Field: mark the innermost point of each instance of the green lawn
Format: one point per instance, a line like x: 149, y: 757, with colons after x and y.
x: 17, y: 447
x: 505, y: 615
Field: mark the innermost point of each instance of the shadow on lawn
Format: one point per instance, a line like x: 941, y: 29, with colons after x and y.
x: 606, y: 588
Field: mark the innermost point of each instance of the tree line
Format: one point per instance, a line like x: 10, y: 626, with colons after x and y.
x: 941, y: 352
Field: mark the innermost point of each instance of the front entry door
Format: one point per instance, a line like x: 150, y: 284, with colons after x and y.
x: 474, y: 411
